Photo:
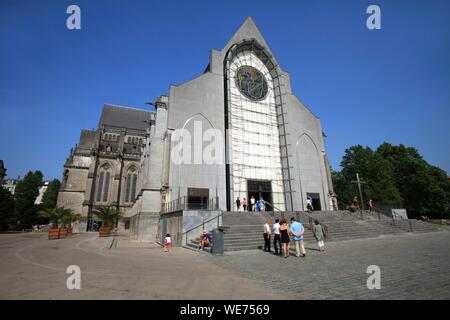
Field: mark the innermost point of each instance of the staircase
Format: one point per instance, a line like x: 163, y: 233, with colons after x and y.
x: 244, y: 230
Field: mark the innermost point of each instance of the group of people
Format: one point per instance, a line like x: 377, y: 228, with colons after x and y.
x: 355, y: 205
x: 255, y: 206
x: 282, y: 232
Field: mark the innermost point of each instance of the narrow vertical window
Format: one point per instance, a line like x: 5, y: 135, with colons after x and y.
x: 106, y: 188
x: 133, y: 187
x: 128, y: 188
x: 100, y: 186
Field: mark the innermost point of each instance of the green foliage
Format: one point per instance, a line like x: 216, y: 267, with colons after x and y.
x: 394, y: 176
x: 51, y: 194
x: 6, y: 208
x: 70, y: 218
x: 108, y: 215
x: 57, y: 216
x: 25, y: 194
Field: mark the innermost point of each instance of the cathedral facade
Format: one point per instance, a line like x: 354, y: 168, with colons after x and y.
x: 102, y: 169
x: 271, y: 147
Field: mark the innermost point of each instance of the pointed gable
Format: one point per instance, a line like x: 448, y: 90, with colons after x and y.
x: 247, y: 31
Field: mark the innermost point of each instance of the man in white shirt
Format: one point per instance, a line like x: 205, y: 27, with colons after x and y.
x: 267, y: 233
x: 276, y: 237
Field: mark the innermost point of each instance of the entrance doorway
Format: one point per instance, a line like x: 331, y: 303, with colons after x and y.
x: 315, y: 201
x: 258, y: 189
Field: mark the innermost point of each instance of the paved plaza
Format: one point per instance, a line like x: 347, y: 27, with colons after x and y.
x: 412, y: 266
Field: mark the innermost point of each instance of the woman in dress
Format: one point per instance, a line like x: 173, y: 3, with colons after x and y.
x: 284, y: 233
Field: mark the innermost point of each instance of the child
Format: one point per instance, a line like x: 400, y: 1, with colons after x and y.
x: 167, y: 243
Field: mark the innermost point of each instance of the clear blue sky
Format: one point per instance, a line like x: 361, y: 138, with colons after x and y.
x: 366, y: 86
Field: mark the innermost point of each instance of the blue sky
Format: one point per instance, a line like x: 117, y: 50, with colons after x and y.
x: 367, y: 86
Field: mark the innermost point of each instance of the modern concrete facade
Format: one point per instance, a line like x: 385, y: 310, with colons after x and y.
x: 271, y: 145
x: 272, y: 141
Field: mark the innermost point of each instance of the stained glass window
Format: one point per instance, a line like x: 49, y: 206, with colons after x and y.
x: 251, y: 82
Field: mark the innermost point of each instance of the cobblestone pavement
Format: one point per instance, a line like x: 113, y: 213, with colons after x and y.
x: 413, y: 266
x: 33, y: 267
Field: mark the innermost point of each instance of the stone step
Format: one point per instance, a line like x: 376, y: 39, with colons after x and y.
x: 243, y: 230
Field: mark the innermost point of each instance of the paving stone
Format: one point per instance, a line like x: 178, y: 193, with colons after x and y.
x: 412, y: 267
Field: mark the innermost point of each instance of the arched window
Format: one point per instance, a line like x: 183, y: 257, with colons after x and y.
x: 131, y: 180
x: 104, y: 180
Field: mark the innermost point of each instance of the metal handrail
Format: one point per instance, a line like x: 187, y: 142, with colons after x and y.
x: 186, y: 233
x: 310, y: 218
x: 181, y: 204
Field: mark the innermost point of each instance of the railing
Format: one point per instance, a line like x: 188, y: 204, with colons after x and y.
x: 386, y: 212
x: 183, y: 203
x: 175, y: 205
x: 311, y: 220
x: 297, y: 215
x: 202, y: 225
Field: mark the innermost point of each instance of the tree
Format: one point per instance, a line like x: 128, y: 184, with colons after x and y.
x: 6, y: 208
x: 394, y: 176
x: 70, y: 218
x: 25, y: 195
x: 55, y: 215
x: 108, y: 215
x: 373, y: 169
x: 424, y: 187
x: 51, y: 194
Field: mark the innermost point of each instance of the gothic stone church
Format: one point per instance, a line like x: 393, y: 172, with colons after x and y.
x: 273, y: 148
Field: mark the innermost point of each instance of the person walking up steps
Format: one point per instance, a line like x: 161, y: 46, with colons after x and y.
x: 284, y: 233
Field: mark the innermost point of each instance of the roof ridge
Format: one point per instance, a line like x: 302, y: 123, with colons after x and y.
x: 125, y: 107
